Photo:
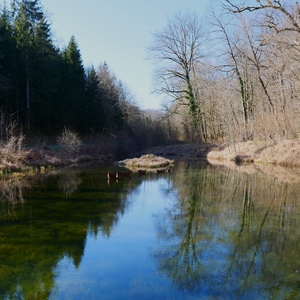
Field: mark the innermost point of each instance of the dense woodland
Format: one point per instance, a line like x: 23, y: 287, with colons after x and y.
x: 47, y: 89
x: 231, y: 76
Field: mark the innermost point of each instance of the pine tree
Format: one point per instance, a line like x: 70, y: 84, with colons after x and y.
x: 46, y: 62
x: 7, y: 62
x: 110, y: 94
x: 74, y: 84
x: 94, y: 110
x: 37, y: 75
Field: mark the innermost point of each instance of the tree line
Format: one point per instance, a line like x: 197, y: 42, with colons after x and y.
x: 232, y: 75
x: 46, y: 88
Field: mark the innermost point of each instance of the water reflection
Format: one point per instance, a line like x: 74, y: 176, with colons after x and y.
x: 49, y: 219
x: 11, y: 196
x: 69, y: 183
x: 231, y: 235
x: 224, y: 233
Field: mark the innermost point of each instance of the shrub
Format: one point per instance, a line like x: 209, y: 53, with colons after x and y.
x: 69, y: 141
x: 12, y: 138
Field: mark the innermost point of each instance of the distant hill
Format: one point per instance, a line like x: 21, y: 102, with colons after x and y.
x: 153, y: 113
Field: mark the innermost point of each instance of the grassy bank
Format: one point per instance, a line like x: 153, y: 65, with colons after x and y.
x: 285, y: 153
x: 42, y: 158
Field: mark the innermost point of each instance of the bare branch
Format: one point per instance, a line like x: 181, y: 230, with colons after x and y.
x: 274, y: 5
x: 178, y: 49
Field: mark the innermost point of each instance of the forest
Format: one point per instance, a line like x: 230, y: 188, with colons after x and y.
x: 45, y: 89
x: 230, y: 76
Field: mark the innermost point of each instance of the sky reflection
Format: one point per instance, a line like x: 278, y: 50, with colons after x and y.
x: 119, y: 266
x: 184, y: 235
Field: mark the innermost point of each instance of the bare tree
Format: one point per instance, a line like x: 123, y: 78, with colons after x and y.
x: 274, y: 56
x: 235, y: 63
x: 177, y: 49
x: 256, y: 57
x: 289, y: 11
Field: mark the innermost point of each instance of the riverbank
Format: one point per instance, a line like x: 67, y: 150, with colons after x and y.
x: 39, y: 159
x: 285, y: 153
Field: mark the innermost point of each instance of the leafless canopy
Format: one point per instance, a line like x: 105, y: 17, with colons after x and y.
x: 290, y: 11
x: 176, y: 49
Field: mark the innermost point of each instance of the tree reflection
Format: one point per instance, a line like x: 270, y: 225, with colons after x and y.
x: 179, y: 230
x: 49, y: 219
x: 225, y: 234
x: 11, y: 195
x: 69, y: 183
x: 230, y: 234
x: 180, y: 260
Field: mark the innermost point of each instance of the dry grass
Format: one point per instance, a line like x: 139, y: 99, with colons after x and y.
x: 147, y: 161
x: 286, y: 153
x: 239, y: 152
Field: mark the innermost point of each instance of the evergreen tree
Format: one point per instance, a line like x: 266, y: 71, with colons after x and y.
x: 25, y: 18
x: 94, y: 110
x: 73, y: 76
x: 110, y: 95
x: 47, y: 88
x: 46, y: 62
x: 37, y: 76
x: 7, y: 62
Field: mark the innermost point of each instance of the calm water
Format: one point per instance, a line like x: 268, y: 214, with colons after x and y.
x: 200, y: 232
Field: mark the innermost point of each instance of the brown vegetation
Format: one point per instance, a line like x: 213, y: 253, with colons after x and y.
x: 38, y: 159
x: 149, y: 161
x: 285, y: 153
x: 260, y: 154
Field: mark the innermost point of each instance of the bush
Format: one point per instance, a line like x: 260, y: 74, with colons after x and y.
x: 12, y: 138
x: 69, y: 141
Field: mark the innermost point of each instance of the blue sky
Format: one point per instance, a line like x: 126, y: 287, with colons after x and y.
x: 118, y: 32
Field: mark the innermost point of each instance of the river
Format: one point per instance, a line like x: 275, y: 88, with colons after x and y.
x: 203, y: 231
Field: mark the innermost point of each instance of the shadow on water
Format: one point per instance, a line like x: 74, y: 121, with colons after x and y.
x: 46, y: 218
x: 227, y: 232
